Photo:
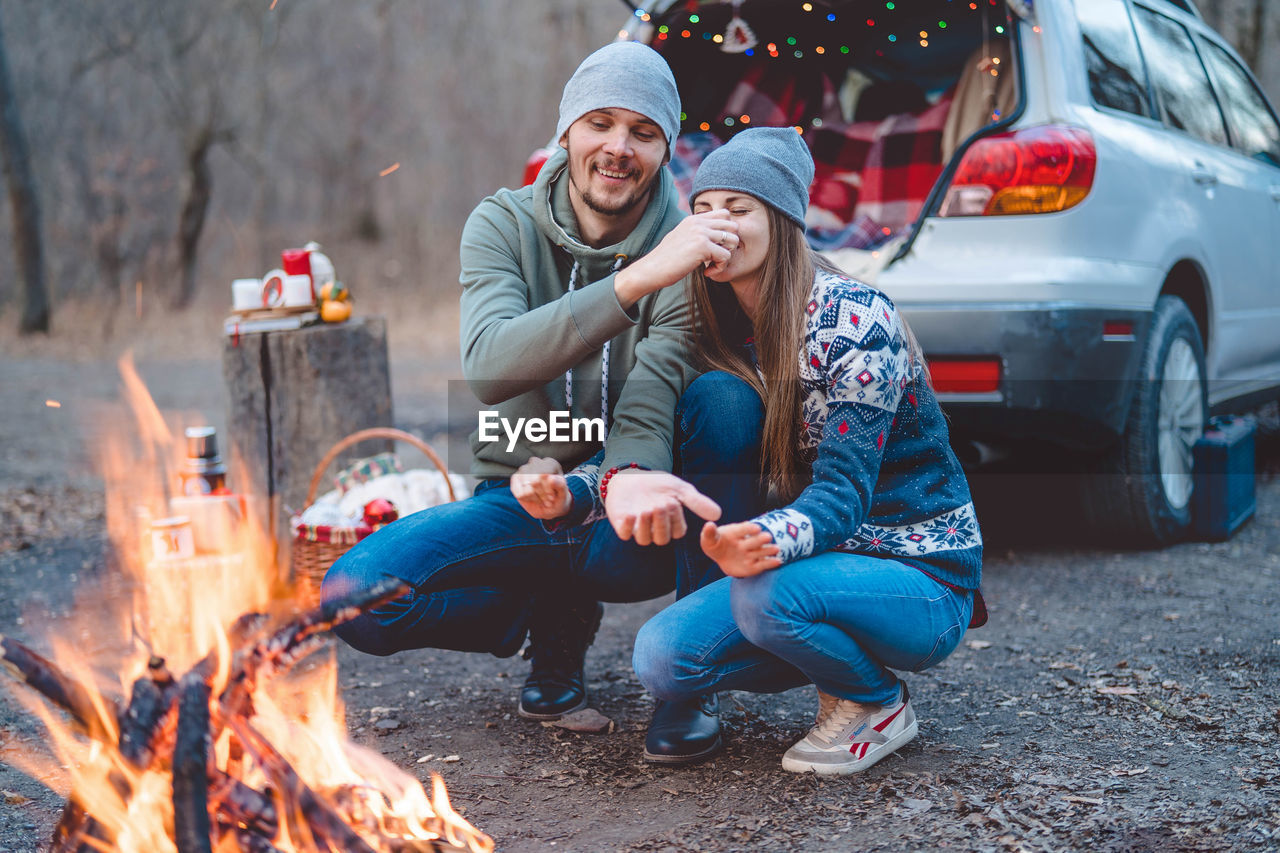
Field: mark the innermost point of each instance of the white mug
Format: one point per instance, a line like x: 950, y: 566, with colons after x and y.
x: 297, y: 291
x: 246, y: 294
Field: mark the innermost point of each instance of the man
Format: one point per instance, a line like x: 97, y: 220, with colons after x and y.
x: 567, y: 294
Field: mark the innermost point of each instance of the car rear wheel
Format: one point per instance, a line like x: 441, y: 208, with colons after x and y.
x: 1142, y: 493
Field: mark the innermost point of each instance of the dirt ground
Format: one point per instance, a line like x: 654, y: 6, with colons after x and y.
x: 1117, y: 700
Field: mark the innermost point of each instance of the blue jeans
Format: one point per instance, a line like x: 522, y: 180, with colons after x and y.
x: 837, y: 620
x: 476, y: 565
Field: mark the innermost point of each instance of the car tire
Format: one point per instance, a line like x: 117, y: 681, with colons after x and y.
x: 1141, y: 493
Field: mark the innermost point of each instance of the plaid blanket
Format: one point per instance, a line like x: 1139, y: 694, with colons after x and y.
x: 871, y: 178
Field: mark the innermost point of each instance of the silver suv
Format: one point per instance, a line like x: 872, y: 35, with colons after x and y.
x: 1076, y: 204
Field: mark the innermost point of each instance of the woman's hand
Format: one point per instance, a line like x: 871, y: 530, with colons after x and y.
x: 741, y: 550
x: 540, y: 487
x: 649, y: 506
x: 702, y: 240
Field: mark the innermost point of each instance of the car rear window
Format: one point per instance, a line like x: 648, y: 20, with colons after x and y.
x: 1186, y: 98
x: 883, y: 92
x: 1116, y: 76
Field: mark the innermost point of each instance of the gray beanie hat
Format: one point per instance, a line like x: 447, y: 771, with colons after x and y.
x: 628, y: 75
x: 771, y: 163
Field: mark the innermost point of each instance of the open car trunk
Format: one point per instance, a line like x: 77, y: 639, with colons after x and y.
x: 885, y: 94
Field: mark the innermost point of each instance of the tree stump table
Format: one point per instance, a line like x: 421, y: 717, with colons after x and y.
x: 292, y: 396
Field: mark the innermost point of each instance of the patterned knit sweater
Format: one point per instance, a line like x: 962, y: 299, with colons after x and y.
x: 885, y: 480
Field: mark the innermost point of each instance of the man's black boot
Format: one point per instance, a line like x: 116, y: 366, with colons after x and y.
x: 559, y: 634
x: 685, y: 731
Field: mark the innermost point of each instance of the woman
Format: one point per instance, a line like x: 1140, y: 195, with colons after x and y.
x: 872, y: 558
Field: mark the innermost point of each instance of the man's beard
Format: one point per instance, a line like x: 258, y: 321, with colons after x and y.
x: 608, y: 207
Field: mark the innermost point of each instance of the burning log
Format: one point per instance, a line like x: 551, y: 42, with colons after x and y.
x: 191, y: 825
x: 77, y: 831
x: 299, y: 798
x: 150, y: 701
x: 241, y: 807
x: 73, y: 697
x: 296, y: 640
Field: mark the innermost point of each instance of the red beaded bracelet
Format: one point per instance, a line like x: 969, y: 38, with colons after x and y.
x: 604, y: 481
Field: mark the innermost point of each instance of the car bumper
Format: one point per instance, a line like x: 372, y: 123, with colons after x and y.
x: 1062, y: 378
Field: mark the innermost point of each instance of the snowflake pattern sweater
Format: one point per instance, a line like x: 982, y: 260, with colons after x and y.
x: 885, y: 480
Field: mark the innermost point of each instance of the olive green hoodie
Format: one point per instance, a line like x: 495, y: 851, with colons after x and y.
x: 523, y: 328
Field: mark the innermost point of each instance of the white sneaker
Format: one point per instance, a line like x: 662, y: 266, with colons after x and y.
x: 849, y: 737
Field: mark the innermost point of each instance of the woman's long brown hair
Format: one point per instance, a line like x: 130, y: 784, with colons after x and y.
x: 778, y: 328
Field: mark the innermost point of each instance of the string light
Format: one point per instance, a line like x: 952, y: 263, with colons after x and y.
x: 745, y: 119
x: 808, y: 7
x: 892, y: 37
x: 819, y: 50
x: 693, y: 19
x: 831, y: 17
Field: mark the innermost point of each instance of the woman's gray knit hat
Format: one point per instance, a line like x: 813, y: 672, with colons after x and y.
x: 771, y: 163
x: 628, y: 75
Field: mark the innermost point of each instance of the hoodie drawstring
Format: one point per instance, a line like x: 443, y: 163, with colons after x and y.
x: 604, y: 357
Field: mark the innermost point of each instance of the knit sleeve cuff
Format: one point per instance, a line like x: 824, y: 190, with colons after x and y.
x: 585, y: 506
x: 792, y: 532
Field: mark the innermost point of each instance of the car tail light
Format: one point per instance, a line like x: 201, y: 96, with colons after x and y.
x: 965, y: 376
x: 1036, y: 170
x: 533, y: 165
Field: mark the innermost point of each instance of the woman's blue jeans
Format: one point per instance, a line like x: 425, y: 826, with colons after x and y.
x: 476, y: 565
x: 837, y: 620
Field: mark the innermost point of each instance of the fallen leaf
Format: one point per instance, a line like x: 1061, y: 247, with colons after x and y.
x: 1118, y: 690
x: 1092, y: 801
x: 424, y: 759
x: 586, y: 720
x: 450, y: 759
x: 978, y: 645
x: 13, y: 798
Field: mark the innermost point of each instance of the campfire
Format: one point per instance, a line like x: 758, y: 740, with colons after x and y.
x: 218, y: 728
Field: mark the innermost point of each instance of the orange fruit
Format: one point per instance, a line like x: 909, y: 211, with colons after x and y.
x: 332, y: 311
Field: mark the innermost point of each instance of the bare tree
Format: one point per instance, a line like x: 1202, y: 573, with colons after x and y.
x: 25, y: 203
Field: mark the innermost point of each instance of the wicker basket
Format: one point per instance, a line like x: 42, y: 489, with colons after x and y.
x: 316, y: 547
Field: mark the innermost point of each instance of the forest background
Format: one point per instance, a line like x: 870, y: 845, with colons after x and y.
x: 174, y: 146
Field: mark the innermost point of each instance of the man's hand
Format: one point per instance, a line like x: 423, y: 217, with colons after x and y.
x: 741, y: 550
x: 540, y: 487
x: 649, y: 506
x: 702, y: 240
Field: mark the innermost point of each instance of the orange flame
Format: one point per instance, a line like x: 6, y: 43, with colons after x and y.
x: 182, y: 607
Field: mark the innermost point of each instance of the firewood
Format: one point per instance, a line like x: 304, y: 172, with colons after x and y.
x: 191, y: 825
x: 46, y: 679
x: 76, y: 830
x: 240, y: 805
x: 149, y: 700
x: 320, y: 818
